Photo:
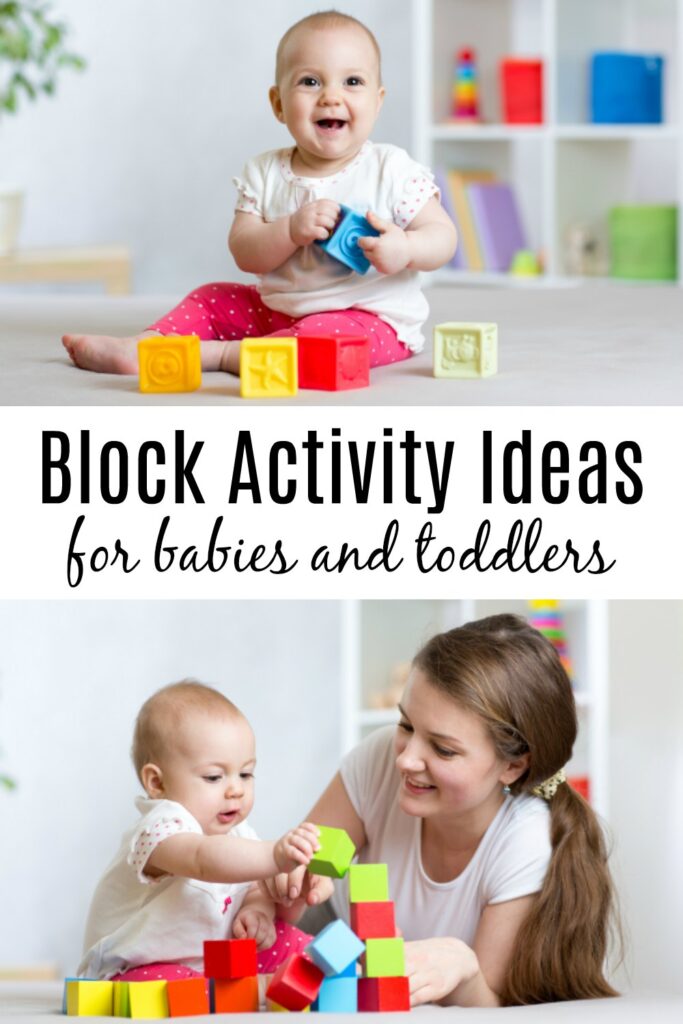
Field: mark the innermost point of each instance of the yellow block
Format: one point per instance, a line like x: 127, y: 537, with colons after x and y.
x: 465, y: 350
x: 89, y: 998
x: 147, y: 999
x: 268, y: 368
x: 274, y: 1007
x: 170, y: 364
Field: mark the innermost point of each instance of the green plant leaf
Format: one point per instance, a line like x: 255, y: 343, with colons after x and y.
x: 7, y: 782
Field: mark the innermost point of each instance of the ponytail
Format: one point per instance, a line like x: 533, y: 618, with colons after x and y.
x: 563, y: 942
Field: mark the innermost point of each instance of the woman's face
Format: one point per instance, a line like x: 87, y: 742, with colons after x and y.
x: 446, y: 758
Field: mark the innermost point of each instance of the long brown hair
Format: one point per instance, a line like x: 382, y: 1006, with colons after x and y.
x: 510, y: 675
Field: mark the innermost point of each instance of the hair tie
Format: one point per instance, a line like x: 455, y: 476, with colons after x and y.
x: 547, y: 789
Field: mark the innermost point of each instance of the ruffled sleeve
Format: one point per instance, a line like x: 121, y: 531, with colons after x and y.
x: 250, y: 189
x: 413, y: 186
x: 166, y: 819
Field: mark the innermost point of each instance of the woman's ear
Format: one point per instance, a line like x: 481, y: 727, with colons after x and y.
x: 276, y: 102
x: 515, y: 769
x: 153, y: 780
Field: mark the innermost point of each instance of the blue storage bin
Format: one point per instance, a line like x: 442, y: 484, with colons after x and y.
x: 626, y: 88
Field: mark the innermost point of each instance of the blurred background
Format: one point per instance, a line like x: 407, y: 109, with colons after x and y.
x: 563, y: 114
x: 313, y: 678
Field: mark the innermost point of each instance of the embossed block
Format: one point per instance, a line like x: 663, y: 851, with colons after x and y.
x: 188, y: 996
x: 343, y: 242
x: 335, y: 948
x: 268, y: 367
x: 295, y: 983
x: 334, y: 362
x: 89, y: 998
x: 384, y: 958
x: 230, y: 958
x: 335, y: 854
x: 368, y: 883
x: 170, y: 364
x: 381, y: 995
x: 465, y: 350
x: 374, y: 920
x: 234, y: 995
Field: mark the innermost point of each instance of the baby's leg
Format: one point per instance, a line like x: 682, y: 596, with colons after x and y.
x: 104, y: 353
x: 385, y: 347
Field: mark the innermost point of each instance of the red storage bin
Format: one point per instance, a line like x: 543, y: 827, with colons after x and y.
x: 521, y: 87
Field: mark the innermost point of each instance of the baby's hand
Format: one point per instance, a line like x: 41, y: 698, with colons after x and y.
x: 314, y: 221
x: 251, y: 923
x: 296, y: 847
x: 388, y: 252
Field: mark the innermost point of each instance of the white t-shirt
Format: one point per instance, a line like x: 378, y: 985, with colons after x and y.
x: 382, y: 178
x: 510, y: 861
x: 135, y: 919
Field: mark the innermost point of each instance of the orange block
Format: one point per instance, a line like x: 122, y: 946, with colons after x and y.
x: 238, y: 995
x: 188, y: 997
x: 170, y: 364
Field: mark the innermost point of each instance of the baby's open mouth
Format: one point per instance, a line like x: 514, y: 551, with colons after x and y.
x: 332, y: 123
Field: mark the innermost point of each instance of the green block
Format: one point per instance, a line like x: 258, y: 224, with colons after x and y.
x: 384, y: 958
x: 368, y: 883
x: 644, y: 242
x: 335, y: 854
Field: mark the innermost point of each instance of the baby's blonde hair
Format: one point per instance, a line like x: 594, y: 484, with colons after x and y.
x: 161, y: 716
x: 325, y: 19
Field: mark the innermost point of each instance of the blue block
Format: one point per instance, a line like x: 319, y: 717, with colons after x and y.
x: 349, y: 972
x: 626, y: 88
x: 343, y: 245
x: 335, y: 948
x: 337, y: 995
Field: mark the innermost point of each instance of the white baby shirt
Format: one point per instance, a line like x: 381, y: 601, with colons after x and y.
x: 382, y: 178
x: 510, y: 861
x: 135, y: 919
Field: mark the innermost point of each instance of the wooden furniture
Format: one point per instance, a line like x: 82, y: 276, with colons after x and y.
x: 107, y: 264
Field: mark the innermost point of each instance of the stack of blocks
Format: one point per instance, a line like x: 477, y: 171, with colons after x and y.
x: 329, y: 979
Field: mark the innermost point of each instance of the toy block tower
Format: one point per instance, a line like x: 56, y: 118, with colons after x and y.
x: 548, y: 619
x: 465, y: 87
x: 342, y: 244
x: 384, y: 986
x: 231, y: 966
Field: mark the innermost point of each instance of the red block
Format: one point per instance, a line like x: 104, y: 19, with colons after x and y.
x: 377, y: 995
x: 295, y: 983
x: 234, y: 995
x: 335, y: 362
x: 230, y: 958
x: 373, y: 920
x: 522, y: 91
x: 188, y: 997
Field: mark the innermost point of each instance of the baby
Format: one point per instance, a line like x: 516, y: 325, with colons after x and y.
x: 187, y: 869
x: 328, y: 93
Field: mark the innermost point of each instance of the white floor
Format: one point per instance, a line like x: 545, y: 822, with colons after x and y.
x: 595, y: 344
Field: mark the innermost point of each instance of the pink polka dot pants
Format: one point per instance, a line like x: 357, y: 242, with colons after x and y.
x: 227, y: 312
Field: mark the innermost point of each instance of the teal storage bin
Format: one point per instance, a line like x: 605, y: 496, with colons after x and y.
x: 643, y: 242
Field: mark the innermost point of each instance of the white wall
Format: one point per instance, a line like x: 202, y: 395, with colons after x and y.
x: 72, y: 677
x: 142, y: 147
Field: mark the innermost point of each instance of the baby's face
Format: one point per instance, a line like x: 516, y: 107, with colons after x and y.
x: 209, y: 769
x: 329, y: 94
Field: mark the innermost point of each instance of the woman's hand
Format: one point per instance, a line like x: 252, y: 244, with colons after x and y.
x: 254, y: 923
x: 314, y: 221
x: 437, y: 967
x: 298, y: 890
x: 389, y: 252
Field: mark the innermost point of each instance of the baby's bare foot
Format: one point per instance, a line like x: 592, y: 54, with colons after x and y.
x: 103, y: 353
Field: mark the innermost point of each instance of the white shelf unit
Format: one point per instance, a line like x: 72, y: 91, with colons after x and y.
x: 378, y: 636
x: 565, y: 171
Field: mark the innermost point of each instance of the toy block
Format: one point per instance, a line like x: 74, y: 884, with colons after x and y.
x: 384, y: 958
x: 234, y: 995
x: 268, y: 367
x: 188, y: 996
x: 343, y: 245
x: 148, y: 999
x: 274, y: 1007
x: 66, y: 989
x: 368, y: 883
x: 335, y: 948
x: 230, y: 958
x: 335, y: 854
x: 337, y: 995
x: 121, y: 999
x: 375, y: 920
x: 89, y: 998
x: 295, y: 983
x: 380, y: 995
x: 349, y: 972
x: 465, y: 350
x: 333, y: 363
x: 170, y: 364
